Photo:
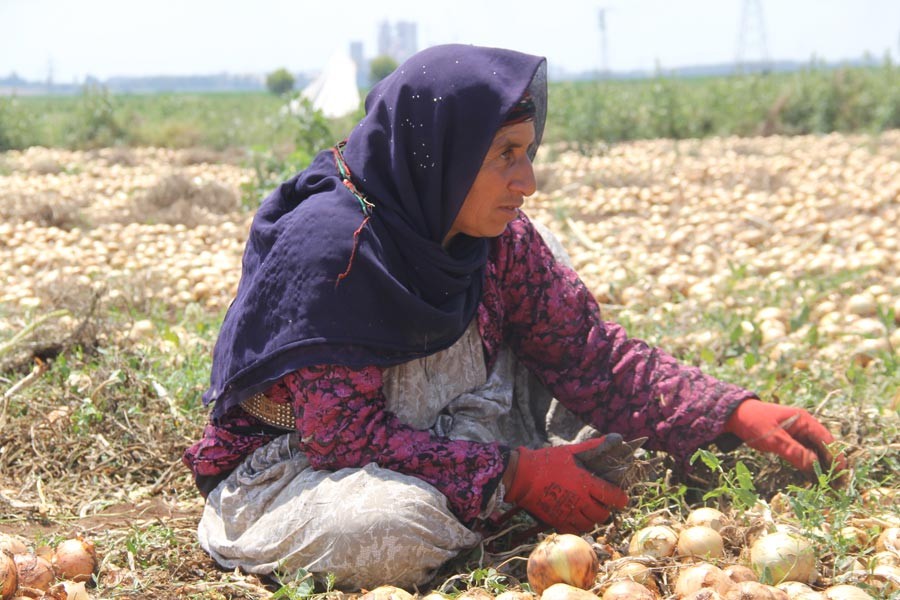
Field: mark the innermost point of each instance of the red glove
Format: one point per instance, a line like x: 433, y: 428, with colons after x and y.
x: 790, y: 432
x: 555, y: 490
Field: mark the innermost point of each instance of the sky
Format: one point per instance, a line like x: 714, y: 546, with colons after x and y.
x: 71, y: 39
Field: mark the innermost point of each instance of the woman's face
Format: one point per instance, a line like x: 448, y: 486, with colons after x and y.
x: 505, y: 178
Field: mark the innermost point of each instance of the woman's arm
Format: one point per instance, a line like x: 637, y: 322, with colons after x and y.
x: 342, y: 422
x: 615, y: 383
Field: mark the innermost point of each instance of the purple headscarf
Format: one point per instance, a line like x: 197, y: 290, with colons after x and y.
x: 414, y: 156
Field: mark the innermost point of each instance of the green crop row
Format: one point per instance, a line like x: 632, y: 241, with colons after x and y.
x: 814, y: 100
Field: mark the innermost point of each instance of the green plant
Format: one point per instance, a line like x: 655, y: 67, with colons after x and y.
x: 310, y: 133
x: 380, y: 67
x: 737, y: 485
x: 98, y: 120
x: 297, y: 586
x: 17, y: 124
x: 280, y: 82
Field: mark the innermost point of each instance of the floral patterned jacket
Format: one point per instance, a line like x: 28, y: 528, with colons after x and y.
x: 544, y: 312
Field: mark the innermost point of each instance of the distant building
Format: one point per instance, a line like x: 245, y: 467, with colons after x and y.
x: 362, y: 65
x: 399, y: 40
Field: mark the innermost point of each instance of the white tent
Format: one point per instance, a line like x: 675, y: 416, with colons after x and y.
x: 334, y: 91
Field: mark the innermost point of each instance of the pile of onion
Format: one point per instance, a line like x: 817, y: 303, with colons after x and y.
x: 51, y: 575
x: 562, y: 558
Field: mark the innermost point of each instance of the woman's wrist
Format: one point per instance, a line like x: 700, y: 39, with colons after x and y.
x: 510, y: 471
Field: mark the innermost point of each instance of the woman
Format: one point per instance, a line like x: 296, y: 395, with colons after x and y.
x: 380, y: 382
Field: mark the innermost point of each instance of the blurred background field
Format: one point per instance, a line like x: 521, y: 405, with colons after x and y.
x: 817, y: 99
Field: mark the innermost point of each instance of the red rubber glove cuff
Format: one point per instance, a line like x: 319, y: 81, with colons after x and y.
x: 550, y: 485
x: 790, y: 432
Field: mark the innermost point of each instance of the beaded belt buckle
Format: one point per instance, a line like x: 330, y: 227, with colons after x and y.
x: 271, y: 413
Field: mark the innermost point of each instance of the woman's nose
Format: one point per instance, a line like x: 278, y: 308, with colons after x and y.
x: 523, y: 180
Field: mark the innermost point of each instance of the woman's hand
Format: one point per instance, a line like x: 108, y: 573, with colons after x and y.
x: 790, y: 432
x: 549, y: 484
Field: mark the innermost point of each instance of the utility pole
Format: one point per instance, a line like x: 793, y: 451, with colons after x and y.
x: 49, y: 75
x: 752, y: 36
x: 604, y: 49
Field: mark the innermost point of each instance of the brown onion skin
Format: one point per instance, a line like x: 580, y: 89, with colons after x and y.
x: 739, y: 573
x: 753, y: 590
x: 693, y: 578
x: 562, y: 558
x: 9, y: 575
x: 34, y: 571
x: 74, y: 559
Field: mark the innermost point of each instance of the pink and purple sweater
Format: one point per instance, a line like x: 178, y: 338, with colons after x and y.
x: 550, y: 320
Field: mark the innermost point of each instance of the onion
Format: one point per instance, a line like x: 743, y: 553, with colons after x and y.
x: 636, y: 571
x: 754, y: 590
x: 656, y: 541
x: 9, y: 576
x: 564, y: 591
x: 75, y: 559
x: 886, y: 557
x: 700, y: 541
x: 706, y: 516
x: 13, y: 544
x: 512, y: 595
x: 627, y: 590
x: 846, y: 592
x: 794, y: 588
x: 475, y: 593
x: 886, y: 578
x: 386, y: 592
x: 739, y: 573
x: 562, y: 558
x: 704, y: 594
x: 810, y: 595
x: 34, y: 571
x: 783, y: 556
x: 702, y: 575
x: 889, y: 540
x: 67, y: 590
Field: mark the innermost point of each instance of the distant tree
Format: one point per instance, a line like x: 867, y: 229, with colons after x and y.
x: 280, y: 82
x: 380, y: 67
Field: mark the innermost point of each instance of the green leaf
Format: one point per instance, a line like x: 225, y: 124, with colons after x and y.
x: 750, y: 359
x: 709, y: 459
